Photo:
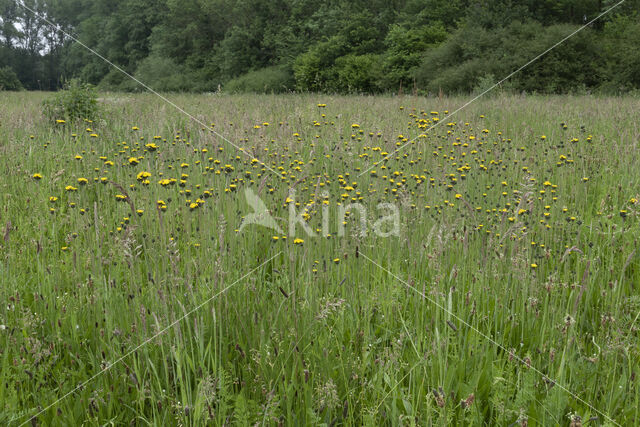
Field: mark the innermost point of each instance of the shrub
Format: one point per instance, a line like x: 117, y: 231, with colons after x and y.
x: 75, y: 102
x: 9, y: 79
x: 405, y: 48
x: 275, y: 79
x: 461, y: 64
x: 313, y: 69
x: 164, y: 75
x: 357, y: 73
x: 621, y: 41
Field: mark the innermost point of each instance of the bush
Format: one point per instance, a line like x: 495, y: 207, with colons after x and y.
x: 462, y: 63
x: 275, y: 79
x: 356, y: 74
x: 313, y: 69
x: 621, y: 41
x: 75, y: 102
x: 164, y: 75
x: 9, y: 79
x: 456, y: 65
x: 405, y: 48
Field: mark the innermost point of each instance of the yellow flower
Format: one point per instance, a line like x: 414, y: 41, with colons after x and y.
x: 143, y: 175
x: 336, y: 260
x: 534, y: 265
x: 133, y: 161
x: 36, y: 176
x: 298, y: 241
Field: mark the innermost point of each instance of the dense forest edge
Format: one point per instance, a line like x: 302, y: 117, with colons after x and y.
x: 425, y: 47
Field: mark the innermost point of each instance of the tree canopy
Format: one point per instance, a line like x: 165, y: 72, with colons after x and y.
x: 356, y: 46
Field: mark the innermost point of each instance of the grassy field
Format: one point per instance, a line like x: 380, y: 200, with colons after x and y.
x: 507, y: 295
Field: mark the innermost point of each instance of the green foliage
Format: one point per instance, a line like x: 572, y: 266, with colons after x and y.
x: 405, y: 48
x: 9, y: 79
x: 237, y: 52
x: 302, y: 340
x: 275, y: 79
x: 432, y: 45
x: 459, y: 64
x: 78, y: 101
x: 313, y: 70
x: 485, y: 83
x: 164, y: 74
x: 356, y: 73
x: 622, y: 46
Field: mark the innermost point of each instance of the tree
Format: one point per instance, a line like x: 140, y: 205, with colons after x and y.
x: 334, y: 45
x: 9, y: 80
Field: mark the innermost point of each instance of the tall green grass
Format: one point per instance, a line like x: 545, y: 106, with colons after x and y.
x: 303, y: 339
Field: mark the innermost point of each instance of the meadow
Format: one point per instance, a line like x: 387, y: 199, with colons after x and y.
x: 132, y: 293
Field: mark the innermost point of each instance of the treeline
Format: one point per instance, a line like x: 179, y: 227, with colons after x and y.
x: 356, y: 46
